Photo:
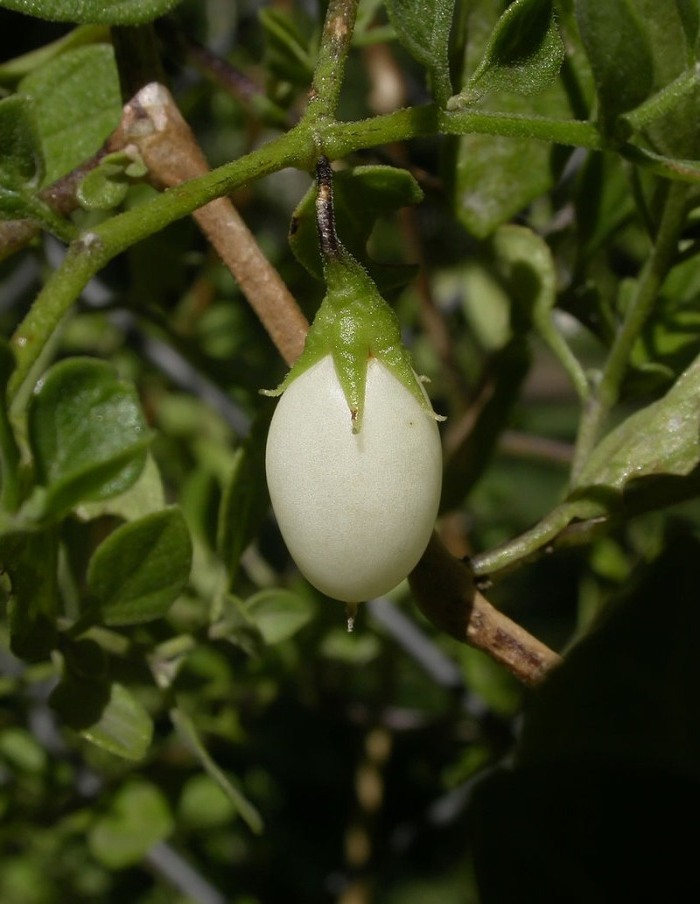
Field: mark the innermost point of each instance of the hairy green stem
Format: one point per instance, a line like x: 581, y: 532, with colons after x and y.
x: 663, y: 101
x: 94, y: 249
x: 572, y: 132
x: 330, y: 67
x: 638, y: 311
x: 297, y: 148
x: 9, y: 462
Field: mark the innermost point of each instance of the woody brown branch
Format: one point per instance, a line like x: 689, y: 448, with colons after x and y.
x: 153, y: 124
x: 444, y: 590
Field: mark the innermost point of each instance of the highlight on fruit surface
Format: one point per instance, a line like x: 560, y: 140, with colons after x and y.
x: 356, y: 509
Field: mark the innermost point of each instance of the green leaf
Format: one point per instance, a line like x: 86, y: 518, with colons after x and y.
x: 14, y: 69
x: 137, y: 573
x: 620, y: 55
x: 361, y: 195
x: 78, y: 104
x: 245, y: 500
x: 355, y: 649
x: 9, y: 450
x: 237, y: 626
x: 143, y: 497
x: 21, y: 161
x: 661, y: 439
x: 104, y: 713
x: 30, y: 560
x: 423, y: 27
x: 87, y: 433
x: 278, y: 614
x: 106, y: 186
x: 138, y: 817
x: 287, y: 41
x: 603, y: 202
x: 671, y: 337
x: 98, y: 12
x: 527, y: 266
x: 494, y: 178
x: 524, y: 54
x: 245, y: 809
x: 676, y: 133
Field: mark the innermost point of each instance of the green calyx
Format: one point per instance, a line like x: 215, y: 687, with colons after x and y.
x: 354, y: 324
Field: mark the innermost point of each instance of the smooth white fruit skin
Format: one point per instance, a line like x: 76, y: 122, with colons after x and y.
x: 355, y: 510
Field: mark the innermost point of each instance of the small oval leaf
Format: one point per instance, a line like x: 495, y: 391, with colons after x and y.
x: 139, y: 570
x: 278, y: 614
x: 21, y: 160
x: 87, y: 433
x: 77, y: 102
x: 663, y: 438
x: 524, y: 54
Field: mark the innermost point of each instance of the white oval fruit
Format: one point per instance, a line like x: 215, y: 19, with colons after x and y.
x: 356, y: 510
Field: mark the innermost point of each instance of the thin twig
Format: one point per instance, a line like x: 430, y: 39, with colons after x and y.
x: 153, y: 123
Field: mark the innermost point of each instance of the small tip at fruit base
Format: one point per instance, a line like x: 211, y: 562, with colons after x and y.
x: 350, y: 614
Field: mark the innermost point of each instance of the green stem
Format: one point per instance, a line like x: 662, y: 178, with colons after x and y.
x: 638, y: 311
x: 514, y: 125
x: 540, y: 539
x: 342, y: 138
x: 9, y: 462
x: 94, y: 249
x: 299, y: 148
x: 664, y: 101
x: 513, y: 553
x: 670, y: 168
x: 330, y: 67
x: 52, y: 303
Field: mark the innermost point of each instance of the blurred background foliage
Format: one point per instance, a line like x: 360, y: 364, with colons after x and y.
x: 237, y: 744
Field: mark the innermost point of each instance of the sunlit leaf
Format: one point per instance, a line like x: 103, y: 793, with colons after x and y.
x: 78, y: 103
x: 663, y: 438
